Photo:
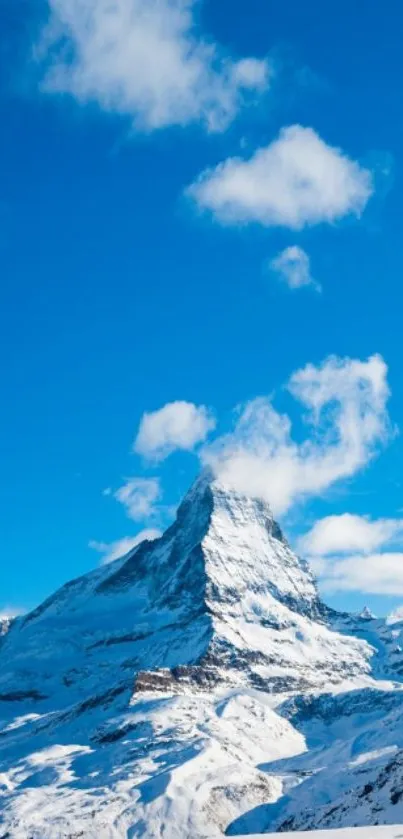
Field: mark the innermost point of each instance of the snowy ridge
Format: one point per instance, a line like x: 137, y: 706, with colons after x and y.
x: 198, y: 686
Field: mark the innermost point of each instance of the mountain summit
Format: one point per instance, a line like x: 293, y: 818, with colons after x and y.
x: 220, y: 593
x: 139, y: 700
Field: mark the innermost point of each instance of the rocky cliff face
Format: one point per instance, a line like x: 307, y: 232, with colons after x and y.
x: 144, y: 698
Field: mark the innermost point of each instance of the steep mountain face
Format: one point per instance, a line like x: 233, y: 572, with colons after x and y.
x: 163, y: 694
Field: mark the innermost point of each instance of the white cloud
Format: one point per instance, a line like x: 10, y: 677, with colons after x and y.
x: 178, y: 425
x: 293, y: 267
x: 349, y: 533
x: 378, y: 573
x: 115, y: 550
x: 9, y: 612
x: 346, y: 409
x: 138, y: 496
x: 396, y: 616
x: 145, y: 59
x: 250, y: 73
x: 296, y: 180
x: 366, y: 568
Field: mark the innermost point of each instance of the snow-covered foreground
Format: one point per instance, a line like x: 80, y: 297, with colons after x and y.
x: 390, y: 832
x: 199, y: 687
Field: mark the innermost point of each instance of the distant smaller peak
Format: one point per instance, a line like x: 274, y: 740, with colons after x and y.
x: 366, y: 614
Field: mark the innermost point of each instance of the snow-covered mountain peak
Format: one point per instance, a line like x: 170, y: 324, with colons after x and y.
x: 246, y: 550
x: 144, y: 695
x: 366, y: 614
x: 221, y: 590
x: 242, y: 550
x: 248, y: 567
x: 222, y: 495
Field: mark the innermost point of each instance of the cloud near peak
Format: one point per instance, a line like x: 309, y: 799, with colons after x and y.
x: 295, y: 181
x: 139, y: 497
x: 116, y: 550
x: 345, y: 413
x: 345, y: 402
x: 178, y: 425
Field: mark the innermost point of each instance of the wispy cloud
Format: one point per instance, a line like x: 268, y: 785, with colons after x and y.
x: 346, y: 403
x: 145, y: 59
x: 293, y: 267
x: 139, y: 497
x: 396, y: 616
x: 296, y: 180
x: 178, y: 425
x: 115, y: 550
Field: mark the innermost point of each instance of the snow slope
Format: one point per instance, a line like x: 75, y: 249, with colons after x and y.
x: 197, y: 686
x: 390, y: 832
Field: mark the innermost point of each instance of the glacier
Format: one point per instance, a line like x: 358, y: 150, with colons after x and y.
x: 199, y: 687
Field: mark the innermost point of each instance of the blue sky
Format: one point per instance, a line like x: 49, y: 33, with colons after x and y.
x: 124, y: 291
